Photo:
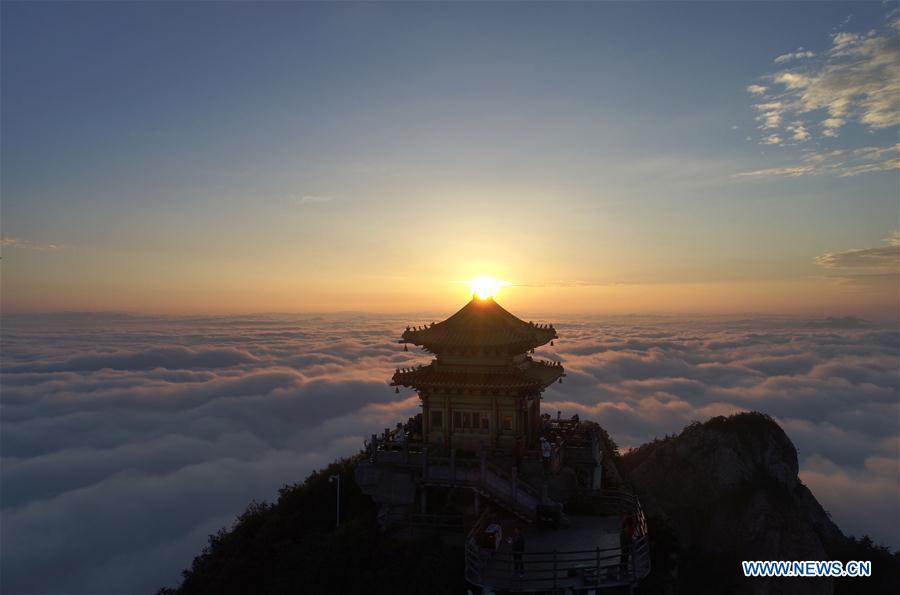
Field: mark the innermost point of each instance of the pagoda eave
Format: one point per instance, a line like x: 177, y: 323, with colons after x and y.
x: 536, y: 377
x: 511, y: 345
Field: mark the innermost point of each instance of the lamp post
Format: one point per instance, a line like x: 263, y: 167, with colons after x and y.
x: 337, y: 480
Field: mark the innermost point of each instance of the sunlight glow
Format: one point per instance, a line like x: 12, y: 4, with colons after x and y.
x: 485, y: 287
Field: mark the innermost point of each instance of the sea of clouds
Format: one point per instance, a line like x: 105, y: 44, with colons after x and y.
x: 127, y: 440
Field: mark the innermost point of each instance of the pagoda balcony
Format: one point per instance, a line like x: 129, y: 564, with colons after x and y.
x: 530, y: 377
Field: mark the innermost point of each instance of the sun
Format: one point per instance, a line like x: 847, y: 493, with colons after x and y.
x: 485, y: 287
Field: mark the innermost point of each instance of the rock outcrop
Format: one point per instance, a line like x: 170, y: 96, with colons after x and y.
x: 725, y: 491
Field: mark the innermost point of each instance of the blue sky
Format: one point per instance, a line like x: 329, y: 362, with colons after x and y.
x: 314, y: 147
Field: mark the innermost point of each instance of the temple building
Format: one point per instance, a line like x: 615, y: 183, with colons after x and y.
x: 481, y: 465
x: 483, y: 389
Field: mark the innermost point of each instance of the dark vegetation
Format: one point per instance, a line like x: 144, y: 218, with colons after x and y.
x: 885, y: 566
x: 700, y: 527
x: 292, y: 546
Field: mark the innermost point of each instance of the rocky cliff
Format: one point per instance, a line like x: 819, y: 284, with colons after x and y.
x: 728, y: 490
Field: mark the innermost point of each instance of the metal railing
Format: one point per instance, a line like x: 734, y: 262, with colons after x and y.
x: 436, y: 521
x: 557, y: 569
x: 564, y: 569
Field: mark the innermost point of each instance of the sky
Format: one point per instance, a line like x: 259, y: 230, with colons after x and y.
x: 604, y: 158
x: 216, y: 219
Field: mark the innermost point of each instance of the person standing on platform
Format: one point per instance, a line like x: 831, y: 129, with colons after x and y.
x: 518, y: 548
x: 546, y: 450
x: 519, y: 451
x: 626, y: 534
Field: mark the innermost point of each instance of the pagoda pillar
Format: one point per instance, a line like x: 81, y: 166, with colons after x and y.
x: 495, y: 422
x: 526, y: 418
x: 447, y: 422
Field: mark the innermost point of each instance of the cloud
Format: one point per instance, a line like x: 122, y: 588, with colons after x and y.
x: 793, y: 170
x: 881, y: 258
x: 838, y: 322
x: 842, y: 163
x: 29, y: 245
x: 798, y: 55
x: 833, y: 386
x: 856, y: 80
x: 798, y: 131
x: 127, y: 440
x: 311, y: 199
x: 169, y: 357
x: 770, y: 116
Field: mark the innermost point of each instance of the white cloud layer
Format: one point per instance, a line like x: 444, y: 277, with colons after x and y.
x: 126, y: 441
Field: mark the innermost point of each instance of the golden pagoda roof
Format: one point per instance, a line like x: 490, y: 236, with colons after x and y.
x: 481, y: 323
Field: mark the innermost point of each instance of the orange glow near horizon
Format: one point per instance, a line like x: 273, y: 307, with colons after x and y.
x: 436, y: 278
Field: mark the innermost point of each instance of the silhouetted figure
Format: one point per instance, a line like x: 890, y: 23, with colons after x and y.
x: 546, y: 449
x: 519, y: 451
x: 518, y: 548
x: 626, y: 533
x: 495, y: 531
x: 545, y: 424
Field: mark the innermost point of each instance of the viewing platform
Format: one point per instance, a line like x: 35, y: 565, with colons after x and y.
x: 582, y: 556
x: 579, y: 552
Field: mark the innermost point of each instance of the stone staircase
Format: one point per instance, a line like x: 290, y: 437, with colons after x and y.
x: 501, y: 487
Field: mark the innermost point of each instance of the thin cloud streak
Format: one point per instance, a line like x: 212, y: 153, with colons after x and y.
x: 843, y: 163
x: 881, y: 258
x: 10, y: 242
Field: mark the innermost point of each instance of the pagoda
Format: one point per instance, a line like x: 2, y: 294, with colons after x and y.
x: 483, y: 388
x: 470, y: 468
